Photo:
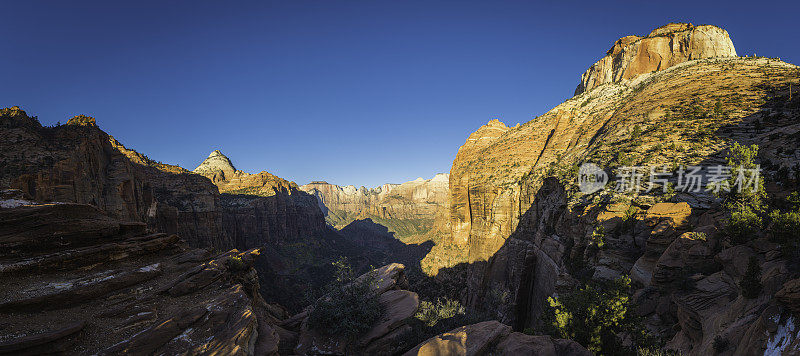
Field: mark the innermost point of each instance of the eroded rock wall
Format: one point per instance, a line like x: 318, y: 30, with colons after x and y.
x: 664, y: 47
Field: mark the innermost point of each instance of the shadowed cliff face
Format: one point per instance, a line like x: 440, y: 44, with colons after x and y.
x: 414, y: 211
x: 523, y: 230
x: 80, y: 163
x: 498, y: 171
x: 261, y: 208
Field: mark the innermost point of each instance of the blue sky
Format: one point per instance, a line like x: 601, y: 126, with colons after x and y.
x: 352, y: 92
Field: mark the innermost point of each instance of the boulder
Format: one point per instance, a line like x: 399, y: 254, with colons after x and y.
x: 397, y: 306
x: 494, y: 338
x: 475, y: 339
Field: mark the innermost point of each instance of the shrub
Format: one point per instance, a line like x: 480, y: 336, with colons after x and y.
x: 743, y: 224
x: 719, y: 110
x: 236, y: 263
x: 700, y: 236
x: 350, y: 307
x: 743, y: 157
x: 785, y: 227
x: 751, y: 282
x: 785, y: 230
x: 431, y: 313
x: 636, y: 133
x: 596, y: 240
x: 593, y: 316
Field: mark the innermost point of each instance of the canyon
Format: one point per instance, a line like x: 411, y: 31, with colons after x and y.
x: 414, y: 211
x: 519, y: 222
x: 106, y: 251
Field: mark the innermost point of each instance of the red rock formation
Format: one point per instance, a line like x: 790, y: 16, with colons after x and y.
x: 664, y: 47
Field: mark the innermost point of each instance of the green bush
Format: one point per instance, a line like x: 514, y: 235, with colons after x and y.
x: 235, y: 263
x: 743, y: 157
x: 751, y: 282
x: 593, y: 316
x: 785, y: 227
x: 596, y: 240
x: 350, y: 307
x: 743, y: 224
x: 636, y: 133
x: 431, y: 313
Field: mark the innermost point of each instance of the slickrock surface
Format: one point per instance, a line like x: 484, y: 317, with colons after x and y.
x: 664, y: 47
x: 519, y: 222
x: 415, y: 211
x: 76, y: 281
x: 494, y: 338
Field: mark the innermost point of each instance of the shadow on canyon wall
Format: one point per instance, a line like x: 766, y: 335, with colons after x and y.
x: 546, y: 253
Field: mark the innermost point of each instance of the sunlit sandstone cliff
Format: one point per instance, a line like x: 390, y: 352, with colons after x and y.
x: 415, y: 211
x: 664, y: 47
x: 518, y: 220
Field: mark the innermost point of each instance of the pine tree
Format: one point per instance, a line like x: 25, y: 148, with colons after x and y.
x: 751, y: 282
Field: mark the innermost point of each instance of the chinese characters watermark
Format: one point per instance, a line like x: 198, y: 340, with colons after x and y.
x: 693, y: 179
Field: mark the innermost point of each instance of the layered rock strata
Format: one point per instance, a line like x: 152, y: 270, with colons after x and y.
x: 79, y: 163
x: 77, y: 281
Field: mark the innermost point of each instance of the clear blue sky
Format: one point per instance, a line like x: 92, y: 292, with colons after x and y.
x: 352, y: 92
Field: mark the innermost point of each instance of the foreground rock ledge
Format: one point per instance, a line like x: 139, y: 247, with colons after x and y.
x: 76, y: 281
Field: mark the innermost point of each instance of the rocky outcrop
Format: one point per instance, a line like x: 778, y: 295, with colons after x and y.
x: 664, y: 47
x: 397, y: 305
x: 494, y: 338
x: 414, y: 211
x: 522, y: 228
x: 79, y: 163
x: 77, y: 281
x: 216, y: 167
x: 260, y: 208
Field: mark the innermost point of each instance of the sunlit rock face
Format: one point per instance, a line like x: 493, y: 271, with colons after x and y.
x: 664, y: 47
x: 415, y: 211
x: 216, y: 167
x: 261, y: 208
x: 520, y: 226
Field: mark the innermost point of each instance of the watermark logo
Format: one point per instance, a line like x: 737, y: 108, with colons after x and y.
x: 693, y: 179
x: 591, y: 178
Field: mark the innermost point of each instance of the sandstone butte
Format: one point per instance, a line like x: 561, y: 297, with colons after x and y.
x: 522, y: 230
x: 664, y: 47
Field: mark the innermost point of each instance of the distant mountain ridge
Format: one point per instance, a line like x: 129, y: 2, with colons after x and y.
x: 415, y: 211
